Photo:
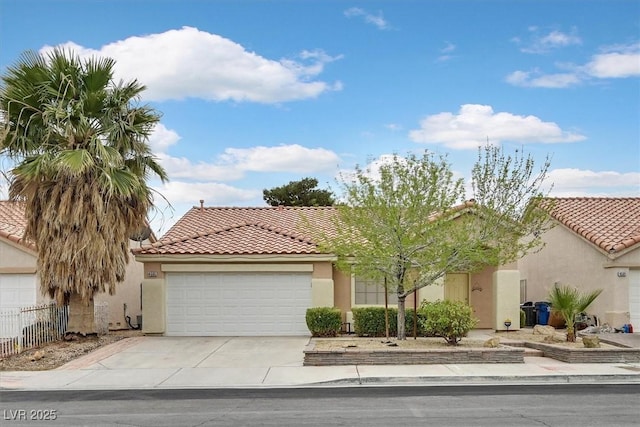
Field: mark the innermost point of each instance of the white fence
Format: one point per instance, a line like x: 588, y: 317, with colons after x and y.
x: 29, y: 327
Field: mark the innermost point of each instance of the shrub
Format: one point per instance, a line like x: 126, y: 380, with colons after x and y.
x: 324, y: 321
x: 450, y: 320
x: 523, y: 318
x: 568, y: 301
x: 369, y: 321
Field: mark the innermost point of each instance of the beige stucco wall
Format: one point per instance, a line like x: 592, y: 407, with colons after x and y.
x: 342, y: 290
x: 571, y: 260
x: 14, y: 257
x: 432, y: 292
x: 322, y: 287
x: 17, y: 259
x: 154, y: 306
x: 506, y: 299
x: 127, y: 292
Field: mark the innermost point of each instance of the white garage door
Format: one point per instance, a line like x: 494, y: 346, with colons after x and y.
x: 17, y: 290
x: 634, y: 299
x: 237, y: 304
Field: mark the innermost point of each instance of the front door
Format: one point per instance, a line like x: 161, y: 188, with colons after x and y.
x: 456, y: 287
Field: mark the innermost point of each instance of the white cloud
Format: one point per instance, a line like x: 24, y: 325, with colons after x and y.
x: 621, y: 61
x: 449, y: 47
x: 616, y: 62
x: 579, y: 182
x: 233, y: 163
x: 393, y: 126
x: 283, y: 158
x: 184, y: 168
x: 189, y: 63
x: 376, y: 20
x: 474, y: 124
x: 370, y: 170
x: 162, y: 138
x: 542, y: 43
x: 213, y: 193
x: 536, y: 79
x: 446, y: 52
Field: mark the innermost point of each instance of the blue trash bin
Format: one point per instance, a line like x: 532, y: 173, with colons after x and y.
x: 543, y: 310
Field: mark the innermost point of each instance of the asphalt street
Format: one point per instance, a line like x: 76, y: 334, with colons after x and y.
x: 496, y: 405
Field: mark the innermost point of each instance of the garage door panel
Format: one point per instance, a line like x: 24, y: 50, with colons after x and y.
x: 17, y: 290
x: 237, y: 304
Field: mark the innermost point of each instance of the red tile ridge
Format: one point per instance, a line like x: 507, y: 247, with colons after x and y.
x: 610, y: 223
x: 166, y: 242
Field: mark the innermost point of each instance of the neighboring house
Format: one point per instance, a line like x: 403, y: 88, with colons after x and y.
x: 19, y: 285
x: 595, y: 244
x: 255, y: 271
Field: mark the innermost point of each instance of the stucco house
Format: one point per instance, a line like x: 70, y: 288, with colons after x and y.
x: 595, y: 244
x: 19, y: 285
x: 254, y: 271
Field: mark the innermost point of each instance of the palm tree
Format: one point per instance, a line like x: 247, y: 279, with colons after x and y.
x: 79, y: 142
x: 568, y: 302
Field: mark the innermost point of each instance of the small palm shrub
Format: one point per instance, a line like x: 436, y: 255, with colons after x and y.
x: 451, y: 320
x: 568, y: 301
x: 324, y: 321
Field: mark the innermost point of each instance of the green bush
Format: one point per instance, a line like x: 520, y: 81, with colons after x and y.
x: 523, y: 318
x: 324, y: 321
x: 451, y: 320
x: 369, y: 322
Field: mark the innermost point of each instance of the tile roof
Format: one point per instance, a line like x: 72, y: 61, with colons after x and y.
x: 239, y: 230
x: 13, y: 223
x: 612, y: 224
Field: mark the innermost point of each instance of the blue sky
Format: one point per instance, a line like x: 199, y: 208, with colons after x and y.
x: 255, y: 94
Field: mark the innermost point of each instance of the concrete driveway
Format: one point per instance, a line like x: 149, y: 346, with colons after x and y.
x: 208, y: 352
x: 184, y: 362
x: 239, y: 362
x: 193, y: 361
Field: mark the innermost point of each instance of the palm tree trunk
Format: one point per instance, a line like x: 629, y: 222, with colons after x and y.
x: 81, y: 316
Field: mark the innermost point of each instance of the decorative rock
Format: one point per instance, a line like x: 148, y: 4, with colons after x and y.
x: 37, y: 355
x: 591, y: 341
x: 543, y: 330
x: 552, y: 339
x: 492, y: 342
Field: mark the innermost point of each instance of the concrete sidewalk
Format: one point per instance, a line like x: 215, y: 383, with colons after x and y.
x: 262, y: 362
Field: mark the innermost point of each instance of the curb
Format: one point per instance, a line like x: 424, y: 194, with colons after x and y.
x: 486, y: 380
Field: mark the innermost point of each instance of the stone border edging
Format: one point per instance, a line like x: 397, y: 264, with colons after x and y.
x: 587, y: 355
x: 395, y: 356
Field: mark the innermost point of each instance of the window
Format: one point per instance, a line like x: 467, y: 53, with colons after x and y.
x: 523, y: 291
x: 369, y: 292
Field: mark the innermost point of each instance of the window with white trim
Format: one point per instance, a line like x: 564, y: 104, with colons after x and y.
x: 370, y: 292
